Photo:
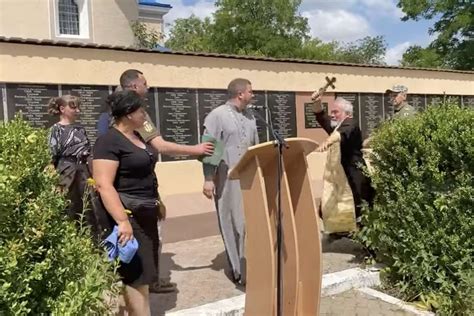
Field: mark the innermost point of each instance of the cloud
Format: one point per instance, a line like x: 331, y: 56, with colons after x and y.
x: 201, y: 9
x: 332, y: 23
x: 327, y: 5
x: 340, y: 20
x: 339, y: 25
x: 369, y: 8
x: 395, y: 53
x: 382, y: 7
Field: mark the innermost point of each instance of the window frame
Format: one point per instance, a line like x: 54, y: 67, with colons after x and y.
x: 84, y: 21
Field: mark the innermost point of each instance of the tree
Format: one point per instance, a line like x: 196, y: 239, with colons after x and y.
x: 271, y: 28
x: 190, y: 35
x: 455, y: 28
x: 417, y: 56
x: 315, y: 49
x: 259, y: 27
x: 369, y: 50
x: 145, y: 37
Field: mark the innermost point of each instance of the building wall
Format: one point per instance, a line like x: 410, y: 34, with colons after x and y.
x: 109, y: 21
x: 25, y: 19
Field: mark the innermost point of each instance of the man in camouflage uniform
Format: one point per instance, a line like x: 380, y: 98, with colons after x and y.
x: 401, y: 108
x: 398, y: 97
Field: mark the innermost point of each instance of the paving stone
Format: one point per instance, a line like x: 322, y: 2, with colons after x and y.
x: 198, y: 268
x: 354, y: 303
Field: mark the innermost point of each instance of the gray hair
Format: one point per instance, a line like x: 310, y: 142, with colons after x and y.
x: 345, y: 105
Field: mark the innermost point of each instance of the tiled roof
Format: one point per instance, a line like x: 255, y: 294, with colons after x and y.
x: 214, y: 55
x: 154, y: 3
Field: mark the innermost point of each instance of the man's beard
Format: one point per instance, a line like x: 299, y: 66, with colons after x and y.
x: 334, y: 123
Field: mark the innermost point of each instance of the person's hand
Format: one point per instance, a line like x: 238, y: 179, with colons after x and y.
x: 208, y: 189
x: 50, y: 168
x: 323, y: 147
x: 125, y: 232
x: 317, y: 96
x: 161, y: 210
x: 206, y: 148
x: 366, y: 142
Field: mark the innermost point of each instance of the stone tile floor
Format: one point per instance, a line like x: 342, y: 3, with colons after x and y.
x: 354, y: 303
x: 197, y: 267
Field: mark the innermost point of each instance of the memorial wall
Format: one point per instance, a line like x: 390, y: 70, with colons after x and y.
x: 179, y: 112
x: 187, y: 86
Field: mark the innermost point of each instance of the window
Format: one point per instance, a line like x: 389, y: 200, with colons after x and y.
x: 68, y: 12
x: 71, y: 19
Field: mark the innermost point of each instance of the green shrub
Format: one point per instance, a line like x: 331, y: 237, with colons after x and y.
x: 47, y: 264
x: 422, y: 222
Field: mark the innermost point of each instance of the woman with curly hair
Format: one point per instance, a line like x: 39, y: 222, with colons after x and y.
x: 70, y: 149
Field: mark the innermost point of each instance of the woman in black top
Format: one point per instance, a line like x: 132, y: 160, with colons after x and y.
x: 123, y: 168
x: 70, y: 149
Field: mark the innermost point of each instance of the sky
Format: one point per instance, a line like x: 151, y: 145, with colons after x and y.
x: 340, y: 20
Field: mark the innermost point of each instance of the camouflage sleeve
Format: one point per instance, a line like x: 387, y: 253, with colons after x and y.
x: 413, y: 111
x: 149, y: 130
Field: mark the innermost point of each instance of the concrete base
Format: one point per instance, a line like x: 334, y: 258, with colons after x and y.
x: 338, y: 282
x: 395, y: 301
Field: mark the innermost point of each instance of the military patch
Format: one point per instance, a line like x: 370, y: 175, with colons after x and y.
x: 147, y: 126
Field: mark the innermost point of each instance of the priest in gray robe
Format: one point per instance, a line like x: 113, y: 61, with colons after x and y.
x: 235, y: 127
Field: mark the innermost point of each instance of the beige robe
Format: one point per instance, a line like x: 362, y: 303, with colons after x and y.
x: 337, y: 203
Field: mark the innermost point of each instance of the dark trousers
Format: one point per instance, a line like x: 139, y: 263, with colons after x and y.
x: 73, y: 180
x: 360, y: 187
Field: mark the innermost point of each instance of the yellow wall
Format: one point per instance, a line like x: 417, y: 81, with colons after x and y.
x: 181, y: 182
x: 109, y: 21
x: 28, y: 63
x: 26, y: 19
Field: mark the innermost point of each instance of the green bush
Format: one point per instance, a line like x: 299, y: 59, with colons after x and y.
x: 47, y: 264
x: 421, y: 224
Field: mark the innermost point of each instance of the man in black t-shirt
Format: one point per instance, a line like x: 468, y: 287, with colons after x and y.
x: 133, y: 79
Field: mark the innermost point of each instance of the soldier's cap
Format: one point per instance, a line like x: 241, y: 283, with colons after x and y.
x: 397, y: 88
